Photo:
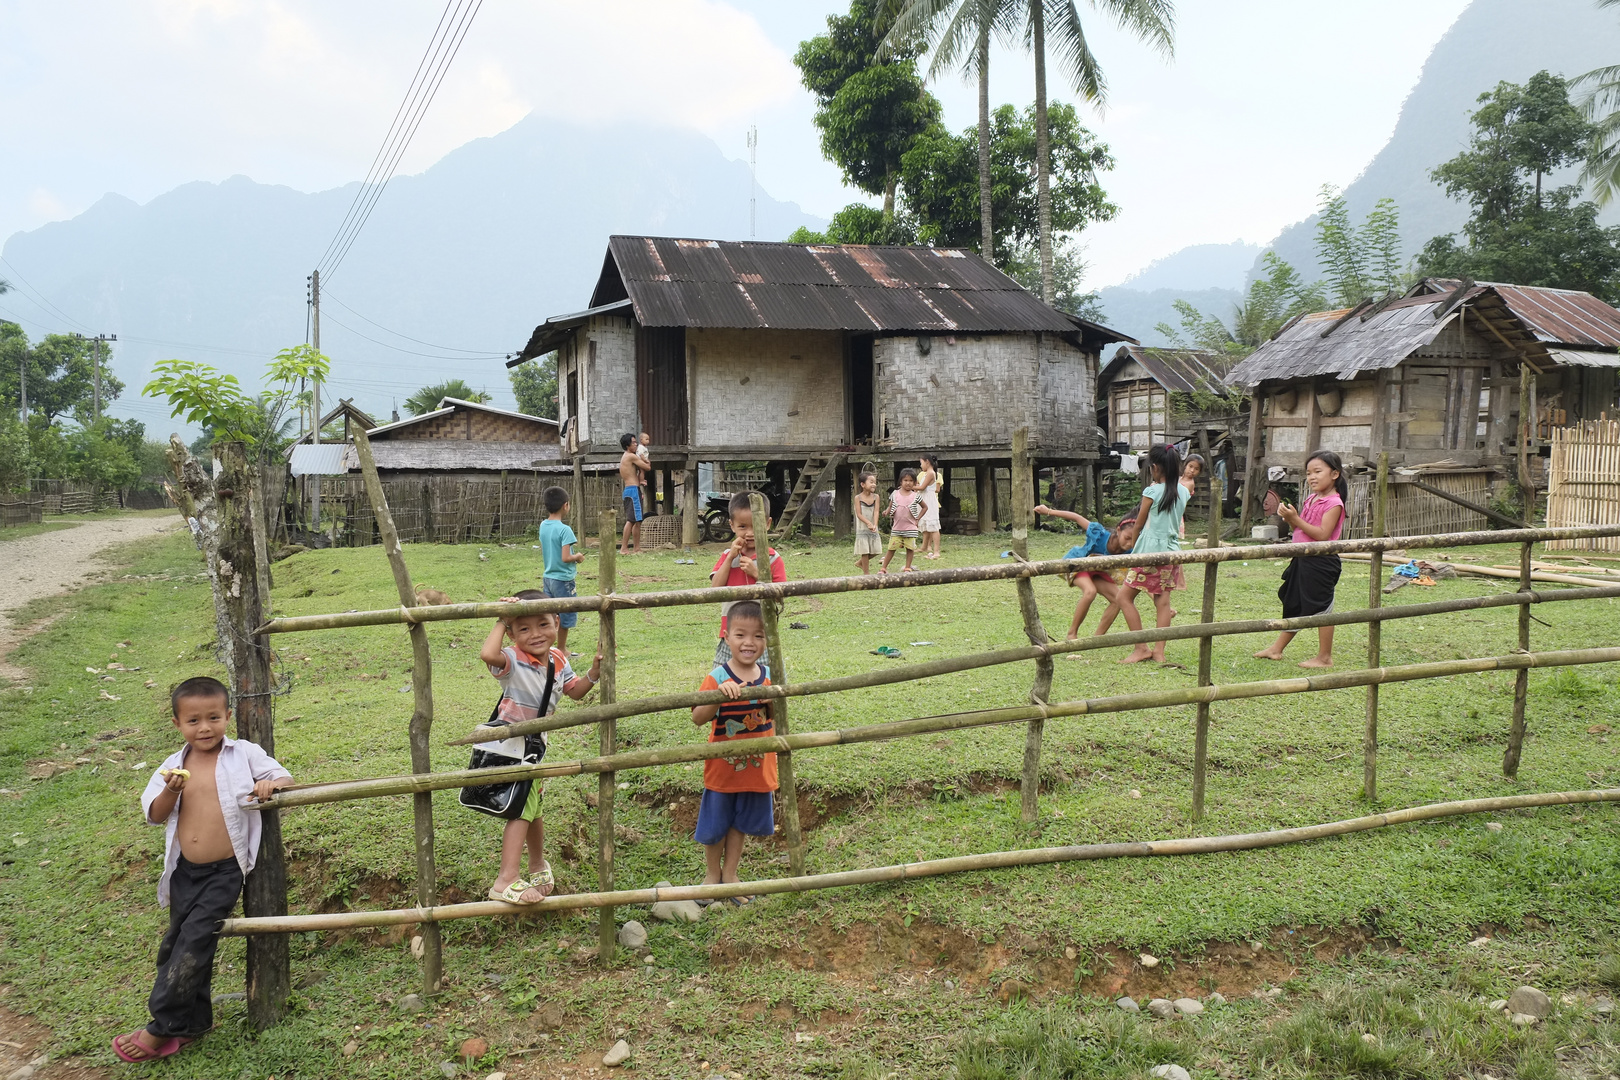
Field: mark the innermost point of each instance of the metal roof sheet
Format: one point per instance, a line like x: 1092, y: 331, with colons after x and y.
x: 1185, y: 370
x: 1559, y: 316
x: 449, y: 405
x: 318, y: 459
x: 1585, y: 357
x: 453, y: 454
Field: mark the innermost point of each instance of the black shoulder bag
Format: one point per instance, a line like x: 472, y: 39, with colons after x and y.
x: 506, y: 799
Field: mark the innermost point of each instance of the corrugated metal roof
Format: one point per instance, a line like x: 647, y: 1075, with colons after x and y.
x: 1185, y: 370
x: 1558, y: 316
x: 714, y: 283
x: 454, y: 404
x: 1584, y: 357
x: 320, y: 459
x: 559, y: 328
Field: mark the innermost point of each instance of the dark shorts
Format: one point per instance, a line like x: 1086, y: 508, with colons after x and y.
x: 557, y: 587
x: 751, y: 813
x: 632, y: 504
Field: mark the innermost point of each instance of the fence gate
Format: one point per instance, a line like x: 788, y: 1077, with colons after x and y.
x: 1583, y: 481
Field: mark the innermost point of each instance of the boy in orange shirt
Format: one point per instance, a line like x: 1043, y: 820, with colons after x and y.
x: 737, y: 799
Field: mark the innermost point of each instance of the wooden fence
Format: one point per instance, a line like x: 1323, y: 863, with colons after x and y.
x: 1033, y: 712
x: 1583, y: 482
x: 72, y: 497
x: 26, y: 510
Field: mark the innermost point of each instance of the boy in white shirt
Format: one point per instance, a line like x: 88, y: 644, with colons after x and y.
x: 210, y: 844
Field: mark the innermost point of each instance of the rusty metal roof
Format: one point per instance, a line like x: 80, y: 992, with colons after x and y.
x: 717, y: 283
x: 1554, y: 316
x: 1185, y: 370
x: 1346, y: 342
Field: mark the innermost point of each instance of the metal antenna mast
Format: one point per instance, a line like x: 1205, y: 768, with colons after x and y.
x: 753, y: 177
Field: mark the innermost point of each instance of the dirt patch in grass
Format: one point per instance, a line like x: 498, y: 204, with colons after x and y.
x: 24, y: 1040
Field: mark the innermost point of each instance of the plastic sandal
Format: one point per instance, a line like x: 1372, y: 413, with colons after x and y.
x: 129, y: 1048
x: 513, y: 893
x: 544, y: 881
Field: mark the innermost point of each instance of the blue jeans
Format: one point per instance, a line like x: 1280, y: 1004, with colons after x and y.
x: 558, y: 587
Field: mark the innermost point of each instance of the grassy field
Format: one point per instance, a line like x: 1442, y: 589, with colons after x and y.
x: 1003, y: 974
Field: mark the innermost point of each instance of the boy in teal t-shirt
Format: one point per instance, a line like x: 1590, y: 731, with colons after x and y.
x: 557, y: 542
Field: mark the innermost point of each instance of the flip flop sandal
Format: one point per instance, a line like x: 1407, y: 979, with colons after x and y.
x: 513, y: 893
x: 544, y: 881
x: 130, y: 1049
x: 740, y: 901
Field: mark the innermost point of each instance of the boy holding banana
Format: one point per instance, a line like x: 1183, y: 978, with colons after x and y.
x: 210, y: 844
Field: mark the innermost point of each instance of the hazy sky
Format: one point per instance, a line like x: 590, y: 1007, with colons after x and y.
x: 1264, y: 102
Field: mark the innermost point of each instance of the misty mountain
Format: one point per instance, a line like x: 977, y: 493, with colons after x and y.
x: 1201, y: 266
x: 1492, y: 41
x: 1137, y: 311
x: 453, y: 269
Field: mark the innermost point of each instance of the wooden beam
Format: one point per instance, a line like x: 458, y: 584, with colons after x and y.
x: 1023, y: 496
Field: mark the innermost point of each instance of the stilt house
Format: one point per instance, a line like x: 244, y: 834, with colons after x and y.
x: 816, y: 359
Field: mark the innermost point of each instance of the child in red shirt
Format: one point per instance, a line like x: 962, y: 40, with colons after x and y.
x: 737, y: 566
x: 737, y: 798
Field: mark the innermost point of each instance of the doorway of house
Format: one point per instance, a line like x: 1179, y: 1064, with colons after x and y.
x: 661, y: 383
x: 860, y: 389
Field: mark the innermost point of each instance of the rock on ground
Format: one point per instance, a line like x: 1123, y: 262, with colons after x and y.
x: 1170, y: 1072
x: 632, y: 935
x: 677, y: 911
x: 1529, y: 1001
x: 1522, y: 1019
x: 1215, y: 999
x: 1162, y: 1008
x: 1188, y: 1006
x: 410, y: 1003
x: 618, y: 1055
x: 1129, y: 1005
x: 475, y: 1047
x: 1603, y: 1006
x: 1148, y: 960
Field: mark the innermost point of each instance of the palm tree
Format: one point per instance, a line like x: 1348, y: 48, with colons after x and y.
x: 1602, y: 108
x: 1151, y: 20
x: 948, y: 26
x: 427, y: 399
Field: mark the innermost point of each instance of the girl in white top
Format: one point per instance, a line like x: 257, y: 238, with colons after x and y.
x: 928, y: 484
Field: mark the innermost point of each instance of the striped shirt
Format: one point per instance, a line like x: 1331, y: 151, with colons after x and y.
x: 741, y: 719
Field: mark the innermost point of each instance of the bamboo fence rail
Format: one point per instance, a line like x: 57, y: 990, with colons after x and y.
x: 1583, y: 480
x: 1200, y: 845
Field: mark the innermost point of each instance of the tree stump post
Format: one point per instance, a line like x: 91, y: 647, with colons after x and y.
x: 1375, y: 631
x: 220, y: 511
x: 1040, y: 692
x: 607, y: 927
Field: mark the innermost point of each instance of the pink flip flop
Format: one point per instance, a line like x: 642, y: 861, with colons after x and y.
x: 131, y: 1049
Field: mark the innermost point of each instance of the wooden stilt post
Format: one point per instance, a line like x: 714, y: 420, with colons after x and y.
x: 772, y: 610
x: 578, y: 524
x: 984, y: 494
x: 1206, y: 652
x: 1521, y: 681
x: 1023, y: 496
x: 427, y: 874
x: 843, y: 502
x: 1251, y: 463
x: 607, y: 928
x: 689, y: 505
x: 1375, y: 630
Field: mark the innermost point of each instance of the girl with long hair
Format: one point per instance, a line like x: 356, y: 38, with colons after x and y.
x: 1309, y: 580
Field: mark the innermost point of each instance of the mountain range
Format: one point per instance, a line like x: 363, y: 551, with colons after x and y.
x: 453, y: 269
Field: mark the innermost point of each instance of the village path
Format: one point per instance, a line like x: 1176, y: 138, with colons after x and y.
x: 58, y: 562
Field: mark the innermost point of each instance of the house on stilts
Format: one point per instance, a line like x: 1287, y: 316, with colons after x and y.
x: 817, y: 359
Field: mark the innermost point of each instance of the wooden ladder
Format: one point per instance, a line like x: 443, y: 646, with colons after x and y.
x: 818, y: 472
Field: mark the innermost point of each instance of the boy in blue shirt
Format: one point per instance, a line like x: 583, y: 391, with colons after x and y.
x: 1098, y: 541
x: 557, y: 542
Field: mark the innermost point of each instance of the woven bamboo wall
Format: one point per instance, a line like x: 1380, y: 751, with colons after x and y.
x: 1412, y: 512
x: 1583, y: 482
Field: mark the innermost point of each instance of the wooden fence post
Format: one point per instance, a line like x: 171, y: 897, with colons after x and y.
x: 1375, y: 630
x: 1040, y: 692
x: 427, y: 871
x: 1251, y: 463
x: 1521, y: 681
x: 607, y: 928
x: 771, y: 610
x: 1206, y: 656
x: 690, y: 504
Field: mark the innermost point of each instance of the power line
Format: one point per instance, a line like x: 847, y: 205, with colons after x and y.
x: 43, y: 302
x: 327, y: 294
x: 418, y: 97
x: 413, y: 352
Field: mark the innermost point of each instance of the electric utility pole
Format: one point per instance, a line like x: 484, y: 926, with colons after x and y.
x: 95, y: 373
x: 315, y: 399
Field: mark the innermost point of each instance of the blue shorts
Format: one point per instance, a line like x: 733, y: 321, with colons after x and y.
x: 751, y: 813
x: 556, y: 587
x: 632, y: 504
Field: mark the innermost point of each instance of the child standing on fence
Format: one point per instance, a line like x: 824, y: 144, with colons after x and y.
x: 210, y: 844
x: 557, y: 542
x: 1098, y: 541
x: 737, y: 565
x: 868, y: 536
x: 1309, y: 580
x: 526, y: 669
x: 905, y: 511
x: 737, y: 799
x: 1159, y: 520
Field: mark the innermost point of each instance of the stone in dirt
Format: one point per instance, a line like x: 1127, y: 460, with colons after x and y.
x: 632, y: 935
x: 1162, y: 1008
x: 1170, y: 1072
x: 449, y: 1069
x: 1148, y: 960
x: 410, y: 1003
x: 1498, y: 1005
x: 618, y: 1055
x: 1529, y: 1001
x: 677, y: 911
x: 1189, y: 1006
x: 24, y: 1073
x: 1522, y: 1019
x: 1603, y: 1006
x: 475, y: 1047
x: 496, y: 1076
x: 1215, y: 999
x: 1129, y: 1005
x: 350, y: 1047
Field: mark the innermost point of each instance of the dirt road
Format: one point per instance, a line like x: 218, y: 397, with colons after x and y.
x: 56, y: 562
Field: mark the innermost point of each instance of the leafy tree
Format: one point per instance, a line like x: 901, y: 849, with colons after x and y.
x: 858, y: 223
x: 60, y: 370
x: 1601, y: 106
x: 217, y: 403
x: 1360, y: 262
x: 535, y: 386
x: 1022, y: 262
x: 869, y: 109
x: 1274, y: 298
x: 940, y: 182
x: 105, y: 453
x: 427, y: 399
x: 16, y: 454
x: 1152, y: 21
x: 1518, y: 232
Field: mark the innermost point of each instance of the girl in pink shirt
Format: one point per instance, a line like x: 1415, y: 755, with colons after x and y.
x: 1309, y: 581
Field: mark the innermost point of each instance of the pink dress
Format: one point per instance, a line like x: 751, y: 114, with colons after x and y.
x: 930, y: 500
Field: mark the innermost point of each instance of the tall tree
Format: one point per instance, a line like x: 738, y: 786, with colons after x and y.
x: 869, y: 108
x: 60, y: 371
x: 1153, y: 21
x: 1601, y: 106
x: 535, y: 386
x: 1517, y: 231
x: 427, y: 399
x: 959, y: 32
x: 1358, y: 261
